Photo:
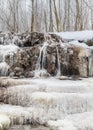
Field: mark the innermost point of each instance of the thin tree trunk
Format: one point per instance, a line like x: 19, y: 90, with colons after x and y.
x: 77, y: 15
x: 56, y: 15
x: 51, y: 19
x: 32, y: 18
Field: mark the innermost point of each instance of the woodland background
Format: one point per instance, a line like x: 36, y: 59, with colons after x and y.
x: 46, y: 15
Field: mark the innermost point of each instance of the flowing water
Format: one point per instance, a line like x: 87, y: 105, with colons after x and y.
x: 40, y: 70
x: 40, y: 66
x: 58, y: 64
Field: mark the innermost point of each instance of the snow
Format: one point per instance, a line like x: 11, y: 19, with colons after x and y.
x: 21, y: 115
x: 16, y: 114
x: 4, y: 122
x: 77, y: 35
x: 84, y: 50
x: 78, y: 44
x: 81, y: 121
x: 4, y: 51
x: 61, y: 125
x: 7, y: 50
x: 63, y: 104
x: 53, y: 96
x: 68, y: 103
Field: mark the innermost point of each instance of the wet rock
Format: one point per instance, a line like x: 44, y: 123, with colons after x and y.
x: 18, y: 71
x: 29, y: 74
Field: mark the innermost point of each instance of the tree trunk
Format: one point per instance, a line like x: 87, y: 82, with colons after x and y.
x: 51, y: 19
x: 32, y: 18
x: 56, y: 15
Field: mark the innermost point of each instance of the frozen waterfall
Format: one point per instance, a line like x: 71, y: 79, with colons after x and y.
x: 5, y: 51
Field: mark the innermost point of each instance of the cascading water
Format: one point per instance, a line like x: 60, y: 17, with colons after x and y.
x: 4, y: 69
x: 40, y: 70
x: 42, y: 55
x: 40, y: 66
x: 11, y: 58
x: 58, y: 64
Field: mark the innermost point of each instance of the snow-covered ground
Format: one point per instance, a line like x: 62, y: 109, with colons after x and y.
x: 59, y: 104
x: 77, y: 35
x: 4, y: 122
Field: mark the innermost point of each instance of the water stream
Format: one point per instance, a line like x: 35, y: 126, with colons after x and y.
x: 40, y: 70
x: 58, y: 64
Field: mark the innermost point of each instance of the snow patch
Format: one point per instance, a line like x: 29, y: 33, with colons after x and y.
x: 4, y: 122
x: 77, y: 35
x: 76, y: 43
x: 61, y: 125
x: 16, y: 114
x: 7, y: 50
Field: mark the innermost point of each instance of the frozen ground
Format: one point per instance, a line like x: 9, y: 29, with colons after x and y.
x: 58, y: 104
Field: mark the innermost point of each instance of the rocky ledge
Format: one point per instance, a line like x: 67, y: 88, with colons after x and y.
x: 37, y: 54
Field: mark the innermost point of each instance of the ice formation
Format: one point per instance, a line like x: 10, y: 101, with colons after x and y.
x: 6, y: 50
x: 4, y: 122
x: 59, y: 104
x: 61, y: 125
x: 66, y: 103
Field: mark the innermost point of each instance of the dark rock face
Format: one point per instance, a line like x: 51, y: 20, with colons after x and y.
x: 24, y: 61
x: 50, y: 52
x: 31, y: 39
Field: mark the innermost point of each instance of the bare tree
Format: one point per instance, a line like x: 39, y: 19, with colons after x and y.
x: 47, y: 15
x: 56, y: 16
